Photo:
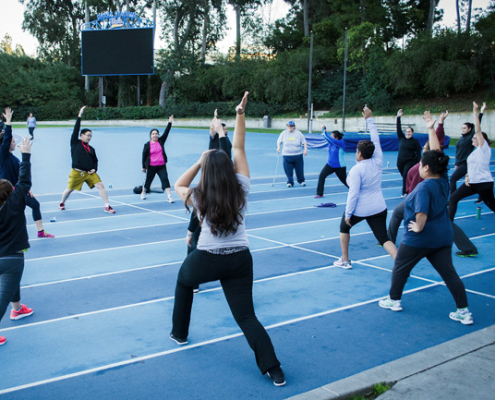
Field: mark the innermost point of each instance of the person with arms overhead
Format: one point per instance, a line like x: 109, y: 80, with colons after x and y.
x: 84, y: 165
x: 220, y: 200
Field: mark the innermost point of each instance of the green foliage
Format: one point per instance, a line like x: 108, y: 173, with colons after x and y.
x: 435, y: 66
x: 51, y: 91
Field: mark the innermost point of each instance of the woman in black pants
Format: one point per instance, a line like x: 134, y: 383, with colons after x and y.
x: 428, y: 234
x: 478, y: 178
x: 13, y: 233
x: 222, y: 252
x: 463, y: 149
x: 155, y: 160
x: 409, y: 151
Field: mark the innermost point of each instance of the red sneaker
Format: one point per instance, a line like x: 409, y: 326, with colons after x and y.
x: 61, y: 206
x: 43, y: 234
x: 23, y: 312
x: 109, y: 209
x: 2, y: 340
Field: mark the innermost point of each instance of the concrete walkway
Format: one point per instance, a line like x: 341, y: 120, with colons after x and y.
x: 463, y: 368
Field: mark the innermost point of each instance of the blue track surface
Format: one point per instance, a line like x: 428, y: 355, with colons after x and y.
x: 102, y: 290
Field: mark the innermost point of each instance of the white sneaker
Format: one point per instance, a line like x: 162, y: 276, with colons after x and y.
x: 463, y: 316
x: 303, y: 183
x: 170, y: 200
x: 394, y: 305
x: 343, y: 264
x: 143, y: 196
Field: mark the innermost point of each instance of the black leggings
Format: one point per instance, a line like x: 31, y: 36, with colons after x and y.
x: 328, y: 170
x: 235, y: 272
x: 459, y: 173
x: 404, y: 167
x: 484, y: 190
x: 441, y: 259
x: 34, y: 204
x: 377, y: 223
x: 152, y: 170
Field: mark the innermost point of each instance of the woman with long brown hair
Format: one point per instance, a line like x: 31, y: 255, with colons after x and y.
x: 222, y: 251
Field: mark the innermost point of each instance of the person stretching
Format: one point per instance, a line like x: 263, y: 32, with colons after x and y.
x: 155, y: 160
x: 293, y: 153
x: 13, y: 233
x: 220, y: 200
x: 9, y: 169
x: 84, y: 165
x: 409, y: 151
x: 365, y: 199
x: 335, y: 161
x: 428, y: 234
x: 478, y: 179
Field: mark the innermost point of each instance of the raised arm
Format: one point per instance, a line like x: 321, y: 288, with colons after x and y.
x: 375, y: 138
x: 213, y: 123
x: 7, y: 135
x: 77, y: 127
x: 164, y: 137
x: 440, y: 131
x: 477, y: 125
x: 432, y: 135
x: 400, y: 134
x: 240, y: 160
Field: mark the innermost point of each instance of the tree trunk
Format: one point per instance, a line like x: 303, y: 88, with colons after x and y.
x: 238, y: 32
x: 205, y: 32
x: 458, y: 17
x: 431, y: 16
x: 305, y: 17
x: 468, y: 18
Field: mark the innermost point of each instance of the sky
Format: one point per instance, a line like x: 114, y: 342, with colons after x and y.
x: 12, y: 17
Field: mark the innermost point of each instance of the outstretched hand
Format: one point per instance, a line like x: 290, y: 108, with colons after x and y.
x: 399, y: 113
x: 171, y: 119
x: 476, y: 107
x: 366, y: 112
x: 483, y: 107
x: 81, y: 111
x: 25, y: 146
x: 241, y: 108
x: 215, y: 113
x: 430, y: 123
x: 8, y: 115
x: 443, y: 116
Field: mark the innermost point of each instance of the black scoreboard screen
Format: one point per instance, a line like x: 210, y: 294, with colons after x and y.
x: 117, y: 52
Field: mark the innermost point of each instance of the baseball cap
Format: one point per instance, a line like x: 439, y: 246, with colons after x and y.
x: 291, y: 123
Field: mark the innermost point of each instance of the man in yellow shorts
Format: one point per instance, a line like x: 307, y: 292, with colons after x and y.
x: 84, y: 165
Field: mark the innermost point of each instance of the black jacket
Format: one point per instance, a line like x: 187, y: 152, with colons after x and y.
x: 161, y: 140
x: 81, y: 159
x: 409, y: 149
x: 464, y: 146
x: 13, y: 232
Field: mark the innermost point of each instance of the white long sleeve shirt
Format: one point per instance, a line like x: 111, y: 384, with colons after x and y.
x: 365, y: 196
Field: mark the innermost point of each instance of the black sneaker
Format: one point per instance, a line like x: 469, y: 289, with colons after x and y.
x: 277, y: 376
x: 177, y: 340
x: 470, y: 253
x: 478, y: 201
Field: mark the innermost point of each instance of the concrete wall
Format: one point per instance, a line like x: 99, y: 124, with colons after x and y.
x: 453, y: 123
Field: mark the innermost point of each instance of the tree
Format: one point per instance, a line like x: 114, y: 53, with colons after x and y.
x: 6, y: 44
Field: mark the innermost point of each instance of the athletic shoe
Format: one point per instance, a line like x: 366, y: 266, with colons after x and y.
x: 23, y: 312
x: 277, y: 376
x: 43, y: 234
x: 478, y: 201
x: 463, y: 316
x: 61, y: 206
x: 290, y: 185
x: 343, y: 264
x: 393, y: 305
x: 470, y: 253
x: 170, y: 200
x: 318, y: 196
x: 303, y: 183
x: 403, y: 195
x: 2, y: 340
x: 109, y: 209
x: 177, y: 340
x: 143, y: 196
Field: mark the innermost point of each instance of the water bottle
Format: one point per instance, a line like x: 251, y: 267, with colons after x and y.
x: 110, y: 186
x: 388, y: 164
x: 53, y: 219
x: 478, y: 212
